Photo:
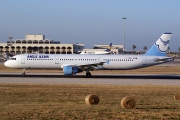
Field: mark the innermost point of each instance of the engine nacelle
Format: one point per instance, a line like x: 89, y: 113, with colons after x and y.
x: 70, y: 70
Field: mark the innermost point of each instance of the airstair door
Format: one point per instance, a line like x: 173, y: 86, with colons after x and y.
x: 57, y: 59
x: 23, y: 59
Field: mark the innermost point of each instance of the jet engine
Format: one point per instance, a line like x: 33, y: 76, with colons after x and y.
x: 71, y: 70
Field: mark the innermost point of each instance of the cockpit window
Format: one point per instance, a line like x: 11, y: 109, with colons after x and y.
x: 13, y: 58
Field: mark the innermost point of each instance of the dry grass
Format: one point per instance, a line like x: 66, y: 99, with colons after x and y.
x: 67, y: 102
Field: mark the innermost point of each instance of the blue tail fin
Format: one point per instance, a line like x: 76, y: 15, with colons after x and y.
x: 161, y: 46
x: 109, y: 48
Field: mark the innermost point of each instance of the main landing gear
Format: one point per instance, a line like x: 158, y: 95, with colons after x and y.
x: 24, y: 72
x: 88, y: 74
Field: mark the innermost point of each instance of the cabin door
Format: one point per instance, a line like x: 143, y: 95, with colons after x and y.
x: 22, y: 59
x: 57, y: 59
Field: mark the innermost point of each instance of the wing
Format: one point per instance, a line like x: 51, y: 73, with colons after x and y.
x: 89, y: 66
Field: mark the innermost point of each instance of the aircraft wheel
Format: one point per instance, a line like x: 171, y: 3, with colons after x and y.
x: 88, y: 74
x: 23, y: 74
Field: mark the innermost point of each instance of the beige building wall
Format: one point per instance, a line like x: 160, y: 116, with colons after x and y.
x: 38, y: 43
x: 35, y: 37
x: 22, y: 48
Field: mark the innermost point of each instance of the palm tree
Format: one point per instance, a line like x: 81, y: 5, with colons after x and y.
x: 145, y: 48
x: 134, y: 47
x: 179, y: 50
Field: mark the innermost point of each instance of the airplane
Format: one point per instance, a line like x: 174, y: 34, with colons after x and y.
x: 106, y: 51
x: 75, y: 63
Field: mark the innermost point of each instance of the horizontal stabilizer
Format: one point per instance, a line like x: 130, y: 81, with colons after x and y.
x: 164, y: 59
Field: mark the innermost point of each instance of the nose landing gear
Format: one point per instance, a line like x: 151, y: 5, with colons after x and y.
x: 88, y: 74
x: 24, y: 72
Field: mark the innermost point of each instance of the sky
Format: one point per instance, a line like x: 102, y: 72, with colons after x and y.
x: 92, y: 22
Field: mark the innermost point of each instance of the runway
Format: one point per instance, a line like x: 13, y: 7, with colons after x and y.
x: 35, y: 78
x: 104, y: 76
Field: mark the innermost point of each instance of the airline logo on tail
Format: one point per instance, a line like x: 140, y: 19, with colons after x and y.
x: 161, y: 46
x: 109, y: 47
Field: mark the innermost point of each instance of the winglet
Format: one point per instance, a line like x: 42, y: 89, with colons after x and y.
x: 161, y: 46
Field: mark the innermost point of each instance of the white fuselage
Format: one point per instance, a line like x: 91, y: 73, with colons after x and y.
x: 55, y: 61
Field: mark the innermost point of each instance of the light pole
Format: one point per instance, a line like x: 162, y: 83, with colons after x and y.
x: 124, y: 34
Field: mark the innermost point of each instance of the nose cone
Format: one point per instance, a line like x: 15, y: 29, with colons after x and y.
x: 7, y: 64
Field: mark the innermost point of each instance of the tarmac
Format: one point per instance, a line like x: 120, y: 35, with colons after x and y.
x: 45, y: 78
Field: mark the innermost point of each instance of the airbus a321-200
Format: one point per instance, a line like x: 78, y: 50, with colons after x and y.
x: 76, y: 63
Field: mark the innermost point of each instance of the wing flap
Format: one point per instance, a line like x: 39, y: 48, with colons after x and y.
x: 90, y: 66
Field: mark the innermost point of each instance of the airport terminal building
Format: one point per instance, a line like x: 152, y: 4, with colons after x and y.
x: 38, y: 44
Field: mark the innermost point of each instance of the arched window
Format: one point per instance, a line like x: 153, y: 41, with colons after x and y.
x: 69, y: 50
x: 24, y: 42
x: 1, y: 48
x: 29, y: 49
x: 35, y: 42
x: 41, y: 42
x: 40, y: 49
x: 7, y: 49
x: 23, y: 49
x: 18, y: 41
x: 52, y: 50
x: 18, y: 48
x: 57, y: 50
x: 63, y: 50
x: 29, y: 42
x: 35, y: 49
x: 46, y: 50
x: 47, y: 42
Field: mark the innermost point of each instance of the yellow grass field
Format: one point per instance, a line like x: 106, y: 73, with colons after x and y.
x: 67, y: 102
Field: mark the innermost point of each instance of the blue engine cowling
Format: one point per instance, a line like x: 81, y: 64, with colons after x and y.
x: 70, y: 70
